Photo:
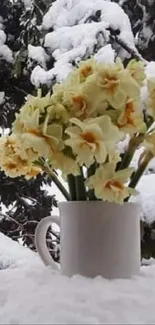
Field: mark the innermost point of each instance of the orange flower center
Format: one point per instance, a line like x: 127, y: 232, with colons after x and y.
x: 20, y: 162
x: 130, y: 108
x: 114, y: 183
x: 110, y: 83
x: 86, y: 71
x: 127, y: 118
x: 34, y: 172
x: 10, y: 165
x: 39, y: 134
x: 80, y: 104
x: 36, y: 132
x: 89, y: 137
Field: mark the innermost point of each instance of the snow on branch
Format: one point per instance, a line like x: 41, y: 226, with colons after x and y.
x: 38, y: 54
x: 81, y: 29
x: 5, y: 52
x: 68, y: 45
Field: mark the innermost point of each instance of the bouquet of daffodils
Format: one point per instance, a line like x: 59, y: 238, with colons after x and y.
x: 78, y: 129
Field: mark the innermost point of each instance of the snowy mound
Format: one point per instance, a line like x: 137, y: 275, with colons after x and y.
x: 146, y: 197
x: 34, y: 294
x: 13, y: 254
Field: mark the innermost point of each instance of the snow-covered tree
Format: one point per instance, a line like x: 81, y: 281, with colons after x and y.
x: 76, y: 30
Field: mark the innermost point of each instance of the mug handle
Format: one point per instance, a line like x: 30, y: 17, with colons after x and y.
x: 40, y: 240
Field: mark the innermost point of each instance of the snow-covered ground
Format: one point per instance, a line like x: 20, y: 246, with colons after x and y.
x: 33, y: 294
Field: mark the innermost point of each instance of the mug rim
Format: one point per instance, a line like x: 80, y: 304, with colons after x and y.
x: 132, y: 204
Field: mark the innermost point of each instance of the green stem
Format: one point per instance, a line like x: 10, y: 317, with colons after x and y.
x: 71, y: 185
x: 137, y: 175
x: 91, y: 172
x: 80, y: 187
x: 133, y: 145
x: 56, y: 181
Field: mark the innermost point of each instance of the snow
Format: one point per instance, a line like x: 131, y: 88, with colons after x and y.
x: 150, y: 73
x: 5, y: 52
x: 150, y: 69
x: 38, y: 54
x: 2, y: 97
x: 72, y: 12
x: 145, y: 187
x: 13, y: 255
x: 27, y: 3
x: 60, y: 71
x: 40, y: 76
x: 106, y: 54
x: 31, y: 293
x: 146, y: 197
x: 2, y: 37
x: 66, y: 45
x: 68, y: 38
x: 74, y: 37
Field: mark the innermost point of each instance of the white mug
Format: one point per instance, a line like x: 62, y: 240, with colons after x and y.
x: 97, y: 238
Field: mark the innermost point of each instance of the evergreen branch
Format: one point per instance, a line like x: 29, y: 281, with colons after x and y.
x: 134, y: 53
x: 4, y: 216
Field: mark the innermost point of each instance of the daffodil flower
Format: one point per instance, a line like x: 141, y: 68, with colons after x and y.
x: 86, y: 69
x: 33, y: 172
x: 116, y: 84
x: 79, y: 102
x: 30, y: 113
x: 14, y: 160
x: 66, y: 164
x: 43, y: 138
x: 38, y: 102
x: 92, y: 140
x: 27, y: 119
x: 136, y: 70
x: 82, y: 123
x: 58, y: 113
x: 131, y: 119
x: 149, y: 143
x: 110, y: 185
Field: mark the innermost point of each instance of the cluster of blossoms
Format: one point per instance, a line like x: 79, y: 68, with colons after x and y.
x: 80, y: 125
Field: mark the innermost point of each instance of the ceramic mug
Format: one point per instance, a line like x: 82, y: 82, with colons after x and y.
x: 97, y: 238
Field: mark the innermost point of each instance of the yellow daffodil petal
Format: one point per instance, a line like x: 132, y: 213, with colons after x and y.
x: 110, y: 185
x: 66, y: 164
x: 137, y: 71
x: 93, y: 139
